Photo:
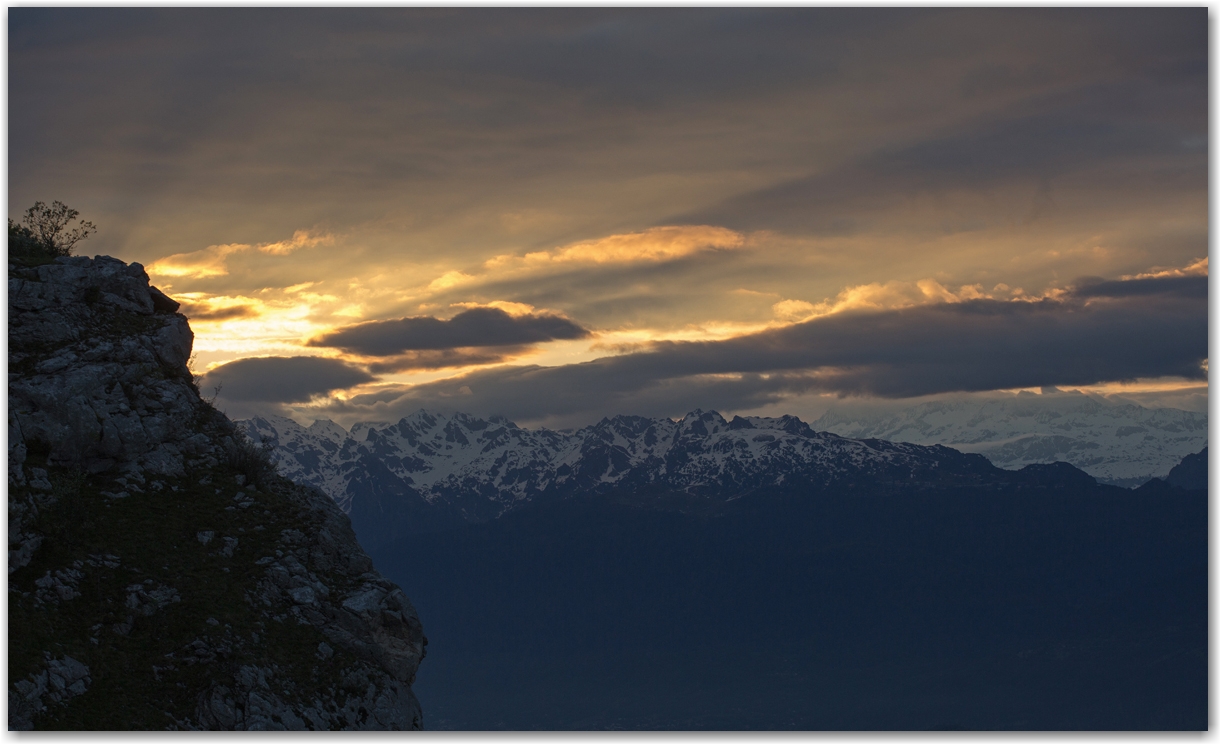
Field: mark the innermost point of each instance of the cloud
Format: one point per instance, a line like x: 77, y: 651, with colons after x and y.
x: 204, y: 307
x: 851, y: 137
x: 512, y: 308
x: 893, y: 295
x: 1197, y: 267
x: 207, y: 132
x: 1020, y: 156
x: 252, y: 122
x: 447, y: 358
x: 1192, y: 398
x: 672, y: 293
x: 213, y: 260
x: 282, y: 379
x: 449, y: 279
x: 553, y: 396
x: 479, y: 327
x: 300, y: 239
x: 202, y: 311
x: 1186, y: 286
x: 583, y: 272
x: 877, y: 296
x: 1079, y: 338
x: 201, y: 264
x: 656, y: 244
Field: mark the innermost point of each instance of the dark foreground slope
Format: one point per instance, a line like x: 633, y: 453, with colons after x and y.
x: 1037, y: 600
x: 160, y: 574
x: 1191, y: 473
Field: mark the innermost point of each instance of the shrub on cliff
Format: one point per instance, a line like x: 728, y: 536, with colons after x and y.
x: 251, y: 459
x: 44, y: 233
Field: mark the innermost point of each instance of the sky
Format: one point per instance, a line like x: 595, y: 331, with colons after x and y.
x: 562, y: 214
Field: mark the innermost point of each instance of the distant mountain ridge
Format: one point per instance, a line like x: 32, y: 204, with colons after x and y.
x: 433, y: 470
x: 450, y: 458
x: 1118, y: 443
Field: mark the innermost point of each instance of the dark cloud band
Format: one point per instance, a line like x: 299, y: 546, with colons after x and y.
x: 199, y: 312
x: 1154, y: 329
x: 446, y: 358
x: 282, y: 379
x: 479, y: 327
x: 1182, y: 286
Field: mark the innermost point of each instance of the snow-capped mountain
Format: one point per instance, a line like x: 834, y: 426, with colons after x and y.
x: 1118, y: 443
x: 482, y: 468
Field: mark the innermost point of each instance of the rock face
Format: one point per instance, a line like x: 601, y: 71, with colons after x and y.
x: 100, y: 373
x: 161, y: 575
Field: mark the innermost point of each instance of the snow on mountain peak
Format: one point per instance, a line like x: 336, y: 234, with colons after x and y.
x: 1117, y: 442
x: 329, y: 430
x: 450, y: 456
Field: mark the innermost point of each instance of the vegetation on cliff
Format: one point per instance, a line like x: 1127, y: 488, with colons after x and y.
x: 43, y: 233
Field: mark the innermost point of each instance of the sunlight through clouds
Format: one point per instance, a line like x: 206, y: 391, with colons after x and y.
x: 764, y: 184
x: 228, y: 327
x: 202, y: 264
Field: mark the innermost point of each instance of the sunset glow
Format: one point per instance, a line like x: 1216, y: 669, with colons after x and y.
x: 739, y: 215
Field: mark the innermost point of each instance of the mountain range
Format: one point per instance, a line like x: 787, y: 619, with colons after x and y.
x: 433, y: 470
x: 1119, y: 443
x: 450, y: 469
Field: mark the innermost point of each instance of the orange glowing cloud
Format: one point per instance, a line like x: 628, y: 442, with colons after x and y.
x: 203, y: 308
x: 1195, y: 268
x: 654, y: 244
x: 449, y: 279
x: 512, y: 308
x: 201, y: 264
x: 892, y: 295
x: 300, y: 239
x: 213, y: 260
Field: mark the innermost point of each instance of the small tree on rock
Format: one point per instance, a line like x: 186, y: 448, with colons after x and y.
x: 46, y: 228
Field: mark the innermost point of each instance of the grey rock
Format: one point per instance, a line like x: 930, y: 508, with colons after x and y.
x: 100, y: 401
x: 146, y: 600
x: 59, y: 586
x: 58, y: 681
x: 99, y: 383
x: 161, y: 302
x: 303, y: 595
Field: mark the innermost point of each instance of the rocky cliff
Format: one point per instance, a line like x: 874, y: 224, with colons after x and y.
x: 161, y: 575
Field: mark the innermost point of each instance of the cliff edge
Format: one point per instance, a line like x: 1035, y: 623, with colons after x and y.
x: 161, y: 574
